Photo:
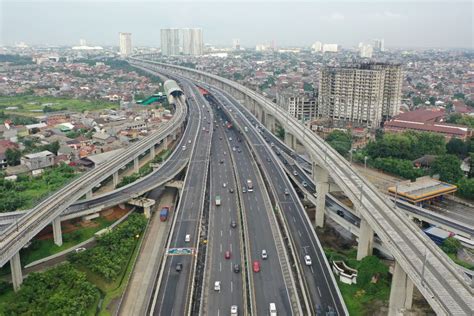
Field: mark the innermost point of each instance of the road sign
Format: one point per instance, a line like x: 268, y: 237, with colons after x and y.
x: 180, y: 251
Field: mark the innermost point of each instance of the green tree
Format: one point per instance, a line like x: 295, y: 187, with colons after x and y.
x: 466, y: 188
x: 432, y: 100
x: 13, y: 156
x: 451, y: 245
x: 448, y: 167
x: 471, y: 164
x: 307, y: 86
x: 457, y: 147
x: 340, y: 141
x: 417, y: 100
x: 459, y: 95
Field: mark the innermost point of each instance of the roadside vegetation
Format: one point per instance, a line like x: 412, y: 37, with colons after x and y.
x: 26, y: 191
x: 372, y: 290
x: 395, y: 153
x: 451, y: 246
x: 61, y: 290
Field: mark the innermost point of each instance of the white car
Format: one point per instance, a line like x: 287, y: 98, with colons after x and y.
x: 187, y: 238
x: 224, y: 185
x: 184, y: 147
x: 234, y: 310
x: 217, y: 286
x: 189, y: 141
x: 307, y: 260
x: 264, y: 254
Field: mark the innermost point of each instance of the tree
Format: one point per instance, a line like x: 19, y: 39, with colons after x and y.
x: 340, y: 141
x: 448, y: 167
x: 459, y: 95
x: 307, y: 86
x: 457, y: 147
x: 451, y: 245
x: 13, y: 156
x: 432, y: 100
x: 466, y: 188
x: 471, y: 164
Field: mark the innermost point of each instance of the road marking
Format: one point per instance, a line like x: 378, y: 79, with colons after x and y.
x: 230, y: 232
x: 299, y: 232
x: 319, y: 291
x: 221, y: 247
x: 312, y: 271
x: 231, y: 286
x: 221, y: 233
x: 230, y: 247
x: 294, y: 219
x: 220, y: 266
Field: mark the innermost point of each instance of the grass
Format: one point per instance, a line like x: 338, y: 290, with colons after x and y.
x: 460, y: 262
x: 5, y: 299
x: 31, y: 105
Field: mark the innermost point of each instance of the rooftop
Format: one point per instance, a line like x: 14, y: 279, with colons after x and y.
x: 424, y: 188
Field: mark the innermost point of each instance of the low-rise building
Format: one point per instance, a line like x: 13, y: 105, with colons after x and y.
x: 39, y: 160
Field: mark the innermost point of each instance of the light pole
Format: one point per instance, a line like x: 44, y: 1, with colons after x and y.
x: 365, y: 162
x: 423, y: 267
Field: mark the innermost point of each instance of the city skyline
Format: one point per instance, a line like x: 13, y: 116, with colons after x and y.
x: 406, y: 25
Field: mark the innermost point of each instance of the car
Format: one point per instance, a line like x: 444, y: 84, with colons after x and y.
x: 285, y: 161
x: 224, y: 185
x: 264, y: 254
x: 256, y: 266
x: 179, y: 267
x: 227, y: 254
x: 272, y: 144
x: 295, y: 173
x: 230, y: 138
x: 231, y: 190
x: 220, y: 137
x: 189, y: 141
x: 225, y: 153
x: 305, y: 184
x: 244, y: 190
x: 273, y: 310
x: 80, y: 249
x: 268, y: 159
x: 234, y: 310
x: 278, y: 152
x: 233, y: 224
x: 340, y: 213
x: 330, y: 311
x: 307, y: 260
x: 203, y: 128
x: 217, y: 286
x: 222, y: 161
x: 184, y: 147
x: 233, y: 148
x: 240, y: 150
x: 287, y: 191
x: 236, y: 268
x: 187, y: 238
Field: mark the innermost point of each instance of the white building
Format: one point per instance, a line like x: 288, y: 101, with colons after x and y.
x: 317, y: 47
x: 125, y: 44
x: 379, y: 45
x: 236, y: 44
x: 192, y: 41
x: 332, y: 48
x: 170, y: 41
x: 365, y: 51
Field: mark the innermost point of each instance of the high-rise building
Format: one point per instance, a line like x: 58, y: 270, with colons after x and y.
x: 125, y: 44
x: 330, y: 48
x: 82, y: 42
x: 192, y: 41
x: 302, y: 107
x: 170, y: 41
x: 236, y: 44
x: 365, y: 51
x: 379, y: 45
x: 317, y: 47
x: 364, y: 94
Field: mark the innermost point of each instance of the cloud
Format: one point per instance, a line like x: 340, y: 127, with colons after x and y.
x: 388, y: 15
x: 335, y: 16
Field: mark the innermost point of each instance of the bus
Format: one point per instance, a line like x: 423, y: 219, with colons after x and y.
x: 249, y: 185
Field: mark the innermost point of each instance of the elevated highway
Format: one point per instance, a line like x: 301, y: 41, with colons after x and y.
x: 418, y: 260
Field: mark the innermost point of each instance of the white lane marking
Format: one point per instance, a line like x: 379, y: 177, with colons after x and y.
x: 319, y: 291
x: 221, y: 233
x: 294, y: 219
x: 230, y: 247
x: 299, y: 232
x: 232, y: 286
x: 221, y: 248
x: 220, y: 266
x: 312, y: 271
x: 218, y: 312
x: 230, y: 232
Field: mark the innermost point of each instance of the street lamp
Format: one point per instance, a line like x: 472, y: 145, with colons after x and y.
x: 365, y: 162
x: 423, y: 267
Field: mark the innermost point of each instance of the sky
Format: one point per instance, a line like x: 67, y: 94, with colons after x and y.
x: 402, y: 23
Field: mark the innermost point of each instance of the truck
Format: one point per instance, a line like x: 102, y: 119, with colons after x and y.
x: 249, y: 185
x: 438, y: 235
x: 218, y: 200
x: 164, y: 213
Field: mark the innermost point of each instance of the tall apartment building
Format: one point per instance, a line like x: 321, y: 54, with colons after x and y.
x: 302, y: 107
x: 330, y: 48
x: 236, y: 44
x: 364, y: 94
x: 365, y: 51
x: 379, y: 45
x: 170, y: 41
x: 125, y: 44
x: 192, y: 41
x: 317, y: 47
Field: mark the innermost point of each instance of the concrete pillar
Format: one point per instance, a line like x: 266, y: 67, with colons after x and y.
x: 366, y: 240
x: 270, y: 122
x: 89, y: 194
x: 152, y: 152
x: 320, y: 177
x: 57, y: 233
x: 401, y: 292
x: 147, y: 211
x: 165, y: 143
x: 17, y: 277
x: 115, y: 179
x: 289, y: 139
x: 136, y: 166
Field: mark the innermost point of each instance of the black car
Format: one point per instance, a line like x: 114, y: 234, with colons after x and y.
x: 222, y: 161
x: 233, y: 224
x: 236, y: 268
x: 231, y: 190
x: 179, y: 267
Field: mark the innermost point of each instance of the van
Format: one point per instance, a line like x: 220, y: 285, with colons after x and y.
x: 273, y: 309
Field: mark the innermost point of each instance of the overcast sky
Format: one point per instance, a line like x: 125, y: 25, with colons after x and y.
x: 402, y: 23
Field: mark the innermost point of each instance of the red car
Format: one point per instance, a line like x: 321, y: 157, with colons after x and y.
x: 256, y: 266
x: 227, y: 254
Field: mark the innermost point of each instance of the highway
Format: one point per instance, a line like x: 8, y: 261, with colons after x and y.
x: 175, y: 287
x: 318, y: 277
x: 223, y: 236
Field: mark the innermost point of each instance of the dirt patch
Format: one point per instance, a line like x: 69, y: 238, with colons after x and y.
x: 331, y: 238
x: 116, y: 213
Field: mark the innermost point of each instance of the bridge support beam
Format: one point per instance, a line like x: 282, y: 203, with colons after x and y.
x: 401, y: 292
x: 17, y: 276
x: 136, y: 166
x: 366, y: 240
x: 321, y: 179
x: 147, y: 211
x: 89, y: 194
x: 270, y: 122
x: 289, y: 140
x: 115, y: 179
x: 164, y: 143
x: 57, y: 232
x: 152, y: 152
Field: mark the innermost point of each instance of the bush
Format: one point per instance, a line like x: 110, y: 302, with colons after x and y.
x: 466, y: 188
x: 451, y: 245
x: 403, y: 168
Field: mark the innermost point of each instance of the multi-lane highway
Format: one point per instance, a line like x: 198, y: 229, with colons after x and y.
x: 318, y: 277
x: 177, y: 276
x: 225, y: 232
